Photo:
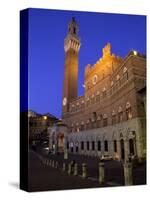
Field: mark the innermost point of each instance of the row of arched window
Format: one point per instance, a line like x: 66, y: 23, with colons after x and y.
x: 85, y: 145
x: 99, y: 96
x: 98, y: 121
x: 118, y: 80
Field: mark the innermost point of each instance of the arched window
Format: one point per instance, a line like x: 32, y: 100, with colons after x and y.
x: 93, y: 145
x: 97, y: 97
x: 88, y: 102
x: 105, y: 145
x: 82, y: 145
x: 82, y: 126
x: 87, y: 145
x: 125, y: 74
x: 113, y: 117
x: 74, y: 30
x: 99, y: 145
x: 120, y: 114
x: 67, y: 145
x: 104, y: 92
x: 115, y: 146
x: 131, y: 146
x: 105, y: 120
x: 128, y: 111
x: 118, y: 82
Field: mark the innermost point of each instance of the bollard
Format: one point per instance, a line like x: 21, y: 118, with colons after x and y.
x: 84, y: 170
x: 64, y: 166
x: 53, y: 163
x: 75, y: 169
x: 69, y: 168
x: 128, y: 180
x: 65, y: 154
x: 56, y: 164
x: 101, y: 173
x: 50, y: 162
x: 46, y: 162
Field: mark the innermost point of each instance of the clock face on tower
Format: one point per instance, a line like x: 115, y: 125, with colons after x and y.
x: 64, y: 101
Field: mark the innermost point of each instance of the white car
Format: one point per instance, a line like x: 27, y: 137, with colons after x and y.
x: 106, y: 157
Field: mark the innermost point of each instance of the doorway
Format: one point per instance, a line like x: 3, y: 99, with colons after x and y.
x: 122, y: 149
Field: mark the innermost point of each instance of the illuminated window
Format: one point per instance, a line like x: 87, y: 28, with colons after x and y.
x: 125, y: 75
x: 129, y: 113
x: 120, y: 116
x: 78, y: 129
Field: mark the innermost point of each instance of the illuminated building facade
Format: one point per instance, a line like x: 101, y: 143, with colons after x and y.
x: 109, y: 119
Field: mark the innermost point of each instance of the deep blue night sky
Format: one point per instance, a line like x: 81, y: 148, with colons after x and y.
x: 47, y: 30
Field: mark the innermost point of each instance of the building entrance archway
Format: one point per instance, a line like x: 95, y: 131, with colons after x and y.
x: 131, y: 147
x: 122, y: 149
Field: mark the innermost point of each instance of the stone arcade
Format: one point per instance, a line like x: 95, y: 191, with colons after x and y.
x: 109, y: 119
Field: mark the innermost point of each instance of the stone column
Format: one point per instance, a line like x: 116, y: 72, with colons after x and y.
x: 84, y: 170
x: 101, y: 173
x: 128, y: 179
x: 75, y: 169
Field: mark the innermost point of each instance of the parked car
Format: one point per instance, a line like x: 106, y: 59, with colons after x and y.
x: 106, y: 157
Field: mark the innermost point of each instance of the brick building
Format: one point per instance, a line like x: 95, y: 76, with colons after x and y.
x: 109, y: 119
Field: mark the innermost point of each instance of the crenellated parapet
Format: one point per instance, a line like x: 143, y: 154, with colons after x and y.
x: 106, y: 64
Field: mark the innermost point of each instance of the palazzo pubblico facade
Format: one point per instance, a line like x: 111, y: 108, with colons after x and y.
x: 110, y: 118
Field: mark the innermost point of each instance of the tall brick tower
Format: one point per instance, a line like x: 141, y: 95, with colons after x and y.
x: 71, y: 47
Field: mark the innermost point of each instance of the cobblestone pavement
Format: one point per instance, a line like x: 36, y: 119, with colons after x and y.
x: 43, y: 177
x: 114, y: 174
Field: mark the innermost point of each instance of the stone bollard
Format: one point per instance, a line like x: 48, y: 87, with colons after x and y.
x: 56, y: 164
x: 101, y: 173
x: 75, y: 169
x: 69, y: 168
x: 128, y: 180
x: 65, y: 154
x: 50, y: 162
x: 53, y: 163
x: 84, y: 170
x: 64, y: 166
